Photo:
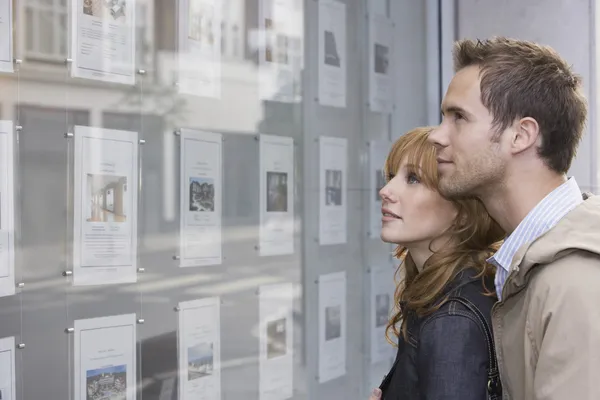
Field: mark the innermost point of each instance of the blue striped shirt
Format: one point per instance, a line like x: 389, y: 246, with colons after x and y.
x: 541, y: 219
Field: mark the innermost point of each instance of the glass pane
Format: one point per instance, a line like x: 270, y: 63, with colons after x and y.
x: 62, y: 34
x: 227, y: 185
x: 30, y: 34
x: 45, y: 31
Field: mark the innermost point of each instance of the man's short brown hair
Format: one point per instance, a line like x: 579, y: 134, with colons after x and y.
x: 524, y: 79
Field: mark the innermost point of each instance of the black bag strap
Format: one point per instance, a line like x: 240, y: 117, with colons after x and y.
x: 494, y: 387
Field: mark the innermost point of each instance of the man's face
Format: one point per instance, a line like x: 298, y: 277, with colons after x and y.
x: 470, y: 155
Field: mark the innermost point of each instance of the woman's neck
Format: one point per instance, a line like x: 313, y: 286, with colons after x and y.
x: 420, y: 256
x: 421, y: 252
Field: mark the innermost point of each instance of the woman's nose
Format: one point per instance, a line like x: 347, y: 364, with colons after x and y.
x: 385, y: 193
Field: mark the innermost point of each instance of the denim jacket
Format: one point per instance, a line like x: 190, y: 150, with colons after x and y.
x: 447, y: 355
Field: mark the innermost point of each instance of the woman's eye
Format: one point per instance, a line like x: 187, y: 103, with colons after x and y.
x: 390, y: 177
x: 412, y: 178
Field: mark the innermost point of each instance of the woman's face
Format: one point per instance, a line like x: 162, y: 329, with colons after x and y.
x: 412, y: 214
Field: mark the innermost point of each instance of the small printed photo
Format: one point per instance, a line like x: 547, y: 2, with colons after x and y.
x: 333, y: 322
x: 379, y: 183
x: 276, y: 338
x: 277, y: 191
x: 106, y: 198
x: 108, y: 383
x: 200, y: 27
x: 332, y: 57
x: 382, y: 309
x: 93, y: 8
x: 200, y: 361
x: 104, y: 9
x: 382, y: 59
x: 202, y: 194
x: 116, y: 9
x: 333, y: 187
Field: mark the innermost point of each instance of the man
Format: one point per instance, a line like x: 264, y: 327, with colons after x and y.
x: 513, y: 117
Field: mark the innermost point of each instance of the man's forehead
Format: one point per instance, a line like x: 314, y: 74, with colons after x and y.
x: 467, y: 80
x: 463, y: 91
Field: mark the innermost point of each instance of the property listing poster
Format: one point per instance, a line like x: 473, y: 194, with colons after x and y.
x: 276, y: 354
x: 103, y: 40
x: 105, y: 206
x: 333, y: 60
x: 280, y: 49
x: 381, y: 33
x: 199, y: 339
x: 8, y: 389
x: 199, y: 32
x: 6, y: 36
x: 378, y: 151
x: 382, y: 301
x: 7, y: 210
x: 333, y: 164
x: 200, y: 198
x: 276, y: 195
x: 332, y: 326
x: 105, y: 358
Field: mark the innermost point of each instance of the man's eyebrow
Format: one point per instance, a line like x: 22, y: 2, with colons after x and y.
x: 454, y: 110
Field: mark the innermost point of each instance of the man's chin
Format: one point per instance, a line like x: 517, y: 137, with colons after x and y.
x: 451, y: 189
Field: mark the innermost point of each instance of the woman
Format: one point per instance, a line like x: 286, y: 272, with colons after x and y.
x: 442, y: 320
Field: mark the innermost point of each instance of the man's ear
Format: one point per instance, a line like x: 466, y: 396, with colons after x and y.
x: 526, y: 134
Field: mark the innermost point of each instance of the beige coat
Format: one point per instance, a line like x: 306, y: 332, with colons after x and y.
x: 547, y: 328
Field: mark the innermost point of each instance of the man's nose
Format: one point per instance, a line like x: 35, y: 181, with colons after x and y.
x: 438, y: 137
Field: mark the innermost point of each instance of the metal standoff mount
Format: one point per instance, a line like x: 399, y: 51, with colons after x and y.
x: 18, y: 128
x: 21, y: 346
x: 176, y: 258
x: 140, y: 321
x: 67, y: 273
x: 176, y: 308
x: 141, y: 270
x: 68, y: 60
x: 177, y: 132
x: 69, y: 330
x: 141, y: 71
x: 68, y: 135
x: 18, y: 61
x: 142, y: 141
x: 21, y: 285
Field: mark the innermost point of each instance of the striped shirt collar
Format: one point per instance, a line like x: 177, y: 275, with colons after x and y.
x: 541, y: 219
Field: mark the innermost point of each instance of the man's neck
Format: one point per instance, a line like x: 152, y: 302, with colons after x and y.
x: 510, y: 203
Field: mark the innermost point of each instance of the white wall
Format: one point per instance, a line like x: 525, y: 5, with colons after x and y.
x: 567, y: 26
